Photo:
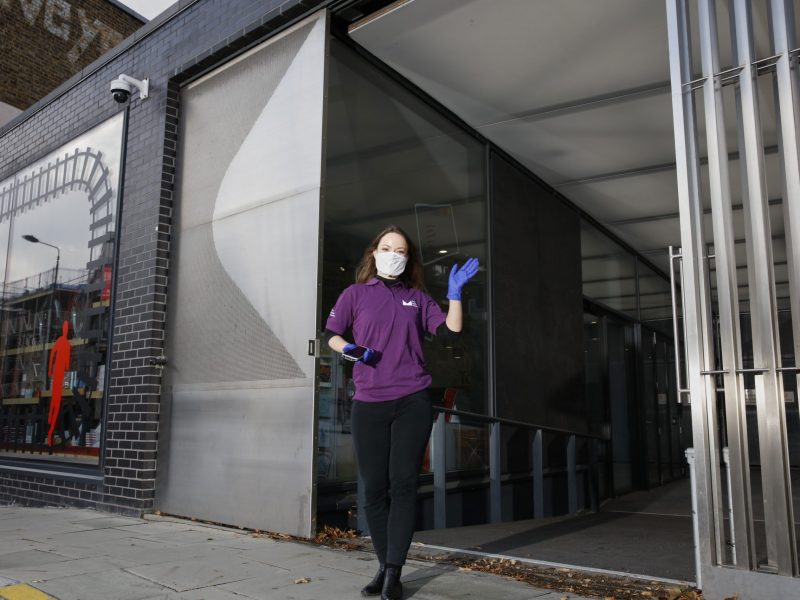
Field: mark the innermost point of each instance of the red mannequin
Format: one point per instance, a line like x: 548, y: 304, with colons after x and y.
x: 59, y: 363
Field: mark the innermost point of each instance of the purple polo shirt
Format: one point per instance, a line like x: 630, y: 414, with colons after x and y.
x: 392, y: 320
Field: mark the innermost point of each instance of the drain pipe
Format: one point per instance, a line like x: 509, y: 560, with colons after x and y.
x: 695, y: 527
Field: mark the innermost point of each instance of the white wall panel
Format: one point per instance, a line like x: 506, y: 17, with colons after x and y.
x: 238, y: 417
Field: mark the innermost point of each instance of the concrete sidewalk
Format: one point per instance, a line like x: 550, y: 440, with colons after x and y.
x: 72, y: 554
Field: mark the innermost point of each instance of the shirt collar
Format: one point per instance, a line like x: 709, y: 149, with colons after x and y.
x: 375, y: 281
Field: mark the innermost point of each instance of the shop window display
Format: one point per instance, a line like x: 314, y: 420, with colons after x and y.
x: 57, y: 240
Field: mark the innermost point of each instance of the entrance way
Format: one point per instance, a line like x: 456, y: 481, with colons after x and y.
x: 662, y: 413
x: 642, y: 533
x: 395, y: 156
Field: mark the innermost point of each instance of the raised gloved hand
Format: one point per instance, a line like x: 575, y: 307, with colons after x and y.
x: 459, y: 277
x: 367, y: 357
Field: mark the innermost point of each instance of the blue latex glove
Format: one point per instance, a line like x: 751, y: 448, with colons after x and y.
x: 368, y: 355
x: 459, y: 277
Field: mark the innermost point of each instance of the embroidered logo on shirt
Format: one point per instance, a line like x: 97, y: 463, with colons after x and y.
x: 410, y: 303
x: 333, y: 313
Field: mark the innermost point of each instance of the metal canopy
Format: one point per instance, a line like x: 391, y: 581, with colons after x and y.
x: 575, y: 90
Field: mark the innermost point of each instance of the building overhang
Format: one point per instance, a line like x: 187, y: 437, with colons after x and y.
x: 578, y: 92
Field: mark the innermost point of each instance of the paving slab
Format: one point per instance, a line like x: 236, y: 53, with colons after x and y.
x: 66, y: 568
x: 287, y: 556
x: 245, y: 542
x: 107, y: 522
x: 108, y: 585
x: 190, y: 574
x: 28, y: 557
x: 450, y: 586
x: 15, y: 544
x: 156, y: 527
x: 211, y: 593
x: 178, y: 536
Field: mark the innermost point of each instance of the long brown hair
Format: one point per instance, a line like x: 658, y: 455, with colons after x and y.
x: 412, y: 275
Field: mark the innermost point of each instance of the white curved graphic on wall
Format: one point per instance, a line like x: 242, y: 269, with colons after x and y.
x: 268, y: 205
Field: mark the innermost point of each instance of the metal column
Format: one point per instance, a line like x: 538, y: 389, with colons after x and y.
x: 787, y: 105
x: 696, y: 307
x: 781, y: 547
x: 727, y: 287
x: 749, y: 580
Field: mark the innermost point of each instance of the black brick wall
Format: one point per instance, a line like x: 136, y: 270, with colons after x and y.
x: 196, y: 35
x: 34, y: 60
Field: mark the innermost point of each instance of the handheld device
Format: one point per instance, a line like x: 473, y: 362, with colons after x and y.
x: 355, y: 354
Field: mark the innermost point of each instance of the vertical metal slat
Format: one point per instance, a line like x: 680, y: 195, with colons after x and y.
x: 495, y: 492
x: 439, y: 474
x: 538, y: 475
x: 787, y: 108
x: 696, y: 295
x: 727, y: 286
x: 781, y: 549
x: 572, y: 474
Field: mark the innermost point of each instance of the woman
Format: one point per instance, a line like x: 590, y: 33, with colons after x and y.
x: 388, y: 312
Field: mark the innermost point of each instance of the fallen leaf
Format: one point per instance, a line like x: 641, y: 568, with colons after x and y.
x: 302, y: 580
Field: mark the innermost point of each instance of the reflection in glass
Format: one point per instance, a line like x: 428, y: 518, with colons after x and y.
x: 655, y: 298
x: 57, y: 239
x: 609, y: 271
x: 391, y: 159
x: 622, y: 397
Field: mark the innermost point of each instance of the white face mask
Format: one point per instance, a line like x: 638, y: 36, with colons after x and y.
x: 390, y: 263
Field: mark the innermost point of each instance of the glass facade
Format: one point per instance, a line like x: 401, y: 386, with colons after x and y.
x: 630, y: 365
x: 392, y: 159
x: 57, y: 240
x: 609, y: 271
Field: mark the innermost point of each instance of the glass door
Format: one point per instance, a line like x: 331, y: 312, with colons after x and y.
x: 621, y: 355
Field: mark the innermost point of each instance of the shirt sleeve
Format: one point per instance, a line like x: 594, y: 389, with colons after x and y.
x: 340, y: 319
x: 432, y: 315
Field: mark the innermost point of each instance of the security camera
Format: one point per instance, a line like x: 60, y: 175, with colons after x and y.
x: 122, y: 87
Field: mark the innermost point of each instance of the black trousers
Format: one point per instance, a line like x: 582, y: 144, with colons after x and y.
x: 390, y: 439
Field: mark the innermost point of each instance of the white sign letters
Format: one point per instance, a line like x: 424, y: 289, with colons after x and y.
x: 62, y: 21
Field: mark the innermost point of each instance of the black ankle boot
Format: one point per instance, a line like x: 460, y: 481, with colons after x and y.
x: 392, y: 588
x: 374, y: 587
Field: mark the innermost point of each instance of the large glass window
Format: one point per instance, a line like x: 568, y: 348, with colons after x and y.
x: 391, y: 159
x: 609, y: 271
x: 655, y: 298
x: 57, y: 239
